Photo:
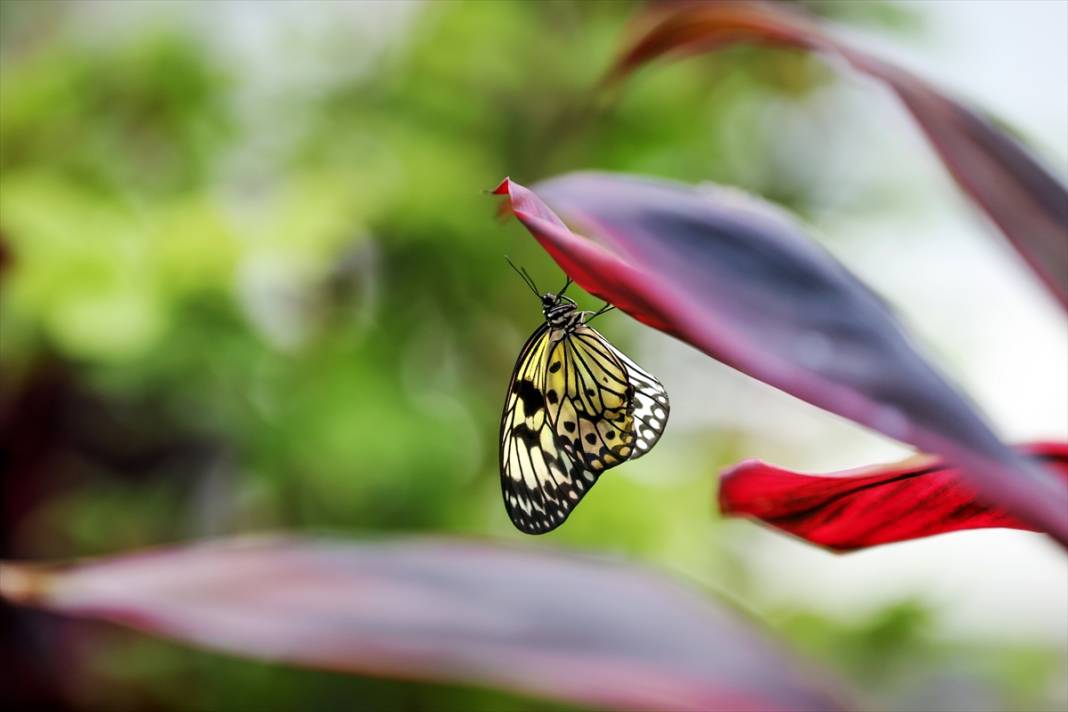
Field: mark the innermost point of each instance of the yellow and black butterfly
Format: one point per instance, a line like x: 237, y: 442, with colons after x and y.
x: 575, y: 407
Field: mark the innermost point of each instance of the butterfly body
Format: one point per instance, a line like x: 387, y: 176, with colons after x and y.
x: 576, y: 407
x: 561, y: 313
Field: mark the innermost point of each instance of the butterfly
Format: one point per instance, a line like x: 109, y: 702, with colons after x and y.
x: 576, y: 406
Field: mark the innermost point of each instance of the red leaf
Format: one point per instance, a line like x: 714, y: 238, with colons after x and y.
x: 1023, y: 199
x: 871, y: 506
x: 550, y: 625
x: 737, y: 278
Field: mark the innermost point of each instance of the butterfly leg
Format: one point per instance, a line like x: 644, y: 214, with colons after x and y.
x: 593, y: 315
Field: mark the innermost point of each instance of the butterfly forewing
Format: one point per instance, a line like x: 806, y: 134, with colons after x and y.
x: 540, y: 482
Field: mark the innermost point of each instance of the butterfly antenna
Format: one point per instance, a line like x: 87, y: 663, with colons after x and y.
x: 525, y: 276
x: 531, y: 281
x: 563, y: 289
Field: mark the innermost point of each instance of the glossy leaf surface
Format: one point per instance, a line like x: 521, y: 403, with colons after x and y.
x: 550, y: 625
x: 876, y: 505
x: 738, y: 279
x: 1027, y: 203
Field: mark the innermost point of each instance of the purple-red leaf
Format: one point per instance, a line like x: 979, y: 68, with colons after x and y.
x: 736, y: 278
x: 872, y: 505
x: 1027, y: 203
x: 549, y: 625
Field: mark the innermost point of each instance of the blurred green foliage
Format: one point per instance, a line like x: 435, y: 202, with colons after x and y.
x: 254, y: 309
x: 328, y: 313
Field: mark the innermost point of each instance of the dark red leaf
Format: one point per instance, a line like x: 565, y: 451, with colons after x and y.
x: 738, y: 279
x: 1027, y: 203
x: 550, y: 625
x: 873, y: 505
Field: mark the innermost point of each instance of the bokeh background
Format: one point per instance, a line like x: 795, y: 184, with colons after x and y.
x: 250, y: 280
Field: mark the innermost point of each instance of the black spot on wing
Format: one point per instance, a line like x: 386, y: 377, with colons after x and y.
x: 532, y: 398
x: 526, y: 435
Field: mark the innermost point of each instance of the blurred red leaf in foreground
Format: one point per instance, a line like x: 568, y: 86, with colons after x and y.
x: 876, y: 505
x: 550, y: 625
x: 738, y: 279
x: 1023, y: 199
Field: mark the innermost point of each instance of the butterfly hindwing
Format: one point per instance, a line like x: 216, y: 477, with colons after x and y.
x: 593, y: 416
x: 650, y: 405
x: 540, y: 481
